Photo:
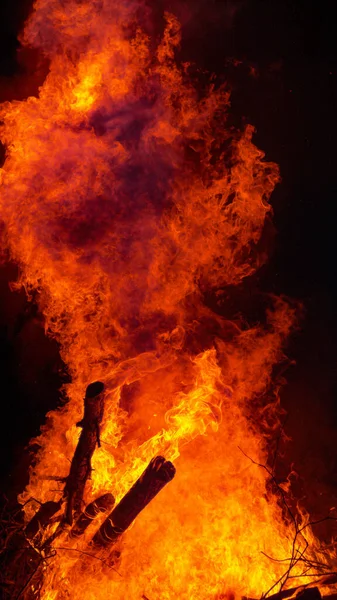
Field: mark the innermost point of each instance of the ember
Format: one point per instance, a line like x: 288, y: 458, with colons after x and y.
x: 127, y: 200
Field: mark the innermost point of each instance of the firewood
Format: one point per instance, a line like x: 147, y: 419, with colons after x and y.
x: 99, y: 505
x: 324, y: 580
x: 310, y: 594
x: 80, y: 468
x: 156, y: 475
x: 42, y: 518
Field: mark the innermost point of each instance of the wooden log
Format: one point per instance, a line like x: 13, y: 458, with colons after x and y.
x: 99, y: 505
x: 42, y: 518
x: 156, y: 475
x: 80, y: 468
x: 323, y: 580
x: 310, y: 594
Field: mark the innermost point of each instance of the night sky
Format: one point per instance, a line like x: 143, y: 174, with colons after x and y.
x: 280, y: 60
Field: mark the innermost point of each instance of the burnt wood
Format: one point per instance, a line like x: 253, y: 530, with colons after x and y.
x: 80, y: 468
x: 156, y: 475
x: 324, y: 580
x: 100, y: 505
x: 42, y: 518
x: 310, y: 594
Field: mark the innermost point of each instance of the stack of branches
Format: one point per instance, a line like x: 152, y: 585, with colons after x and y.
x: 299, y: 565
x: 27, y: 549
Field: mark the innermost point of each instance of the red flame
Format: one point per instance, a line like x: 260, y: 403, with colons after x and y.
x: 125, y: 198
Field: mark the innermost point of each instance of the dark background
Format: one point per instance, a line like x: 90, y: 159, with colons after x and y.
x: 280, y: 59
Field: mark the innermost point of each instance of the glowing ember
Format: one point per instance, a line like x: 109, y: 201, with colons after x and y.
x: 125, y: 199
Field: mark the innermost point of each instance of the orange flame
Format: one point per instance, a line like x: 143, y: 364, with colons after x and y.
x: 125, y: 199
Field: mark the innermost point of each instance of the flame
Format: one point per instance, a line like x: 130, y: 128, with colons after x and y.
x: 125, y: 199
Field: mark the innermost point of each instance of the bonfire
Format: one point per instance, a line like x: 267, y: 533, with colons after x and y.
x: 133, y: 209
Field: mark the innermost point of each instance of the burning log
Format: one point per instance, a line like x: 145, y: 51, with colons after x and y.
x: 305, y: 592
x: 90, y: 437
x: 99, y: 505
x: 42, y: 518
x: 156, y: 475
x: 310, y: 594
x: 79, y: 472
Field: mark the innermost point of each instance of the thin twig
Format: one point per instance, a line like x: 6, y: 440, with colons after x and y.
x: 298, y: 555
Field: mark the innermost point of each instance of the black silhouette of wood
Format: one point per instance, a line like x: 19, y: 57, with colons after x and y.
x: 100, y: 505
x: 80, y: 469
x: 42, y: 518
x: 156, y: 475
x: 312, y: 593
x: 23, y: 554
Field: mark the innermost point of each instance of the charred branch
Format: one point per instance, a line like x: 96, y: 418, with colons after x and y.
x: 100, y: 505
x: 310, y: 594
x: 304, y: 592
x: 156, y: 475
x: 80, y: 469
x: 42, y: 518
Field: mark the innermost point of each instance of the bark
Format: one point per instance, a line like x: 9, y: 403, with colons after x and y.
x: 99, y: 505
x: 156, y: 475
x: 323, y: 580
x: 80, y: 469
x: 310, y: 594
x: 42, y: 518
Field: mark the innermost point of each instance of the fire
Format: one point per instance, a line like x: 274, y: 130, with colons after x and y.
x: 126, y: 199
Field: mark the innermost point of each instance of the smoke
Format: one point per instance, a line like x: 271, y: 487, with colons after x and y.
x: 204, y: 14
